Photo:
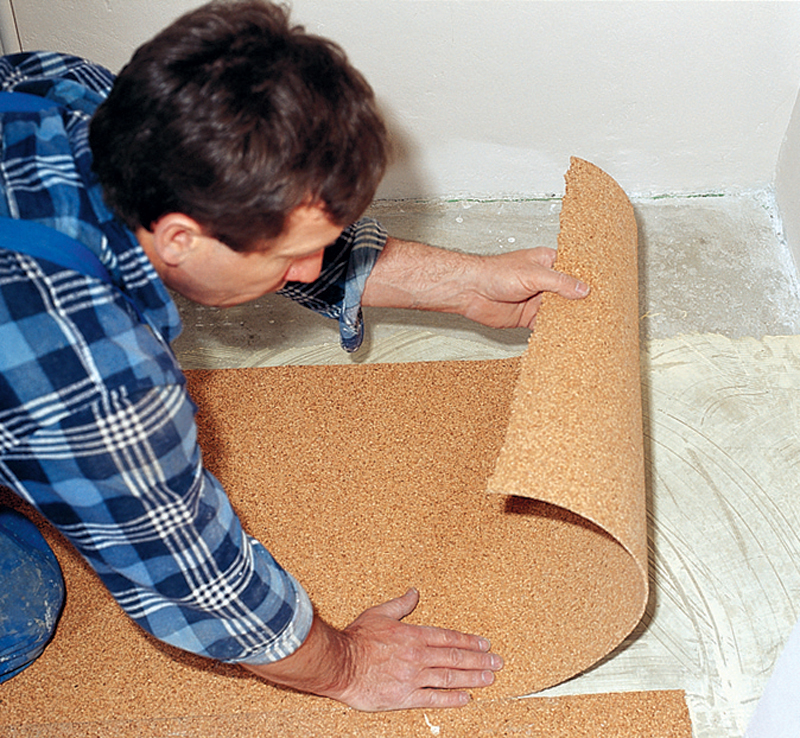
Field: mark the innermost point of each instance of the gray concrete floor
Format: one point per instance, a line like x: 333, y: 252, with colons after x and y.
x: 708, y: 265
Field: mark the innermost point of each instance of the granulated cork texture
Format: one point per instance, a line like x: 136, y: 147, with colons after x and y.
x: 364, y: 481
x: 575, y: 435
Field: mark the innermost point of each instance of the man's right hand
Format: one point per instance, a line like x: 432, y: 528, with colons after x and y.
x: 380, y: 663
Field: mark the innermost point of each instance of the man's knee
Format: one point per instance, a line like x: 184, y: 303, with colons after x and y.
x: 31, y: 595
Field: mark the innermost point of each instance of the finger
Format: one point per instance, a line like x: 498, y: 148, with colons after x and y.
x: 545, y: 256
x: 444, y: 638
x: 458, y: 678
x: 436, y: 699
x: 460, y: 658
x: 530, y: 310
x: 399, y: 607
x: 463, y: 660
x: 459, y: 669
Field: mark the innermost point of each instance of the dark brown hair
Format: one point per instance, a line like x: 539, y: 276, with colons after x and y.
x: 234, y: 117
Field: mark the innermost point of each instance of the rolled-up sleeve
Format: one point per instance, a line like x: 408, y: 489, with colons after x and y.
x: 338, y: 290
x: 123, y: 480
x: 98, y: 432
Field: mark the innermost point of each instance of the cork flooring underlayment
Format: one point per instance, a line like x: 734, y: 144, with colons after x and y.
x: 510, y: 492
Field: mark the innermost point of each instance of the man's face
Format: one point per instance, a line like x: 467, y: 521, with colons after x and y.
x: 213, y: 274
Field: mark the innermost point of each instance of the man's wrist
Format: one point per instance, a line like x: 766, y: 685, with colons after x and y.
x: 323, y: 664
x: 335, y: 661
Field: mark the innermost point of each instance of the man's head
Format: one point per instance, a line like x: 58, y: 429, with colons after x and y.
x: 235, y: 118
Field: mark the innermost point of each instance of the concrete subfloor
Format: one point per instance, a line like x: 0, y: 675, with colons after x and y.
x: 708, y: 265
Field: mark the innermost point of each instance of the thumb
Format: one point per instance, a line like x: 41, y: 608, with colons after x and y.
x: 565, y: 285
x: 399, y: 607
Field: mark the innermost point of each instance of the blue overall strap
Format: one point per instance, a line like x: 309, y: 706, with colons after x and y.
x: 42, y: 242
x: 22, y: 102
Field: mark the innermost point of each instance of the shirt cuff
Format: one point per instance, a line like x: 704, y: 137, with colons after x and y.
x: 368, y: 242
x: 337, y: 292
x: 295, y: 633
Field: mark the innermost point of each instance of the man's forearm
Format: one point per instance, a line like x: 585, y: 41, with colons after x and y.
x: 501, y: 291
x: 418, y: 277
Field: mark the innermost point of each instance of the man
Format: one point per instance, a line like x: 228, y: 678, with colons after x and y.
x: 237, y: 154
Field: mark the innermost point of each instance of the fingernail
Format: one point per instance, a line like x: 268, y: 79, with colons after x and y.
x: 497, y: 662
x: 582, y: 288
x: 488, y: 677
x: 484, y: 645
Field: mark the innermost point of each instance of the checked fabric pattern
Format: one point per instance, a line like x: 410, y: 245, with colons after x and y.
x: 96, y: 428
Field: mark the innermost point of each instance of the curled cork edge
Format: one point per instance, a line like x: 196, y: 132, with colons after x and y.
x: 575, y: 436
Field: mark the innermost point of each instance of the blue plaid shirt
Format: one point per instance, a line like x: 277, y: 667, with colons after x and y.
x: 96, y: 428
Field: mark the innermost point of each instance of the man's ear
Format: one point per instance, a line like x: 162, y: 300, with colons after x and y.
x: 175, y: 237
x: 312, y: 211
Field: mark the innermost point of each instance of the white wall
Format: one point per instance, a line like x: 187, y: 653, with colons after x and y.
x: 787, y: 183
x: 9, y: 41
x: 491, y: 97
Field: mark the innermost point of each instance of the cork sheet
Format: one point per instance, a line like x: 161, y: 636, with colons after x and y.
x: 386, y: 476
